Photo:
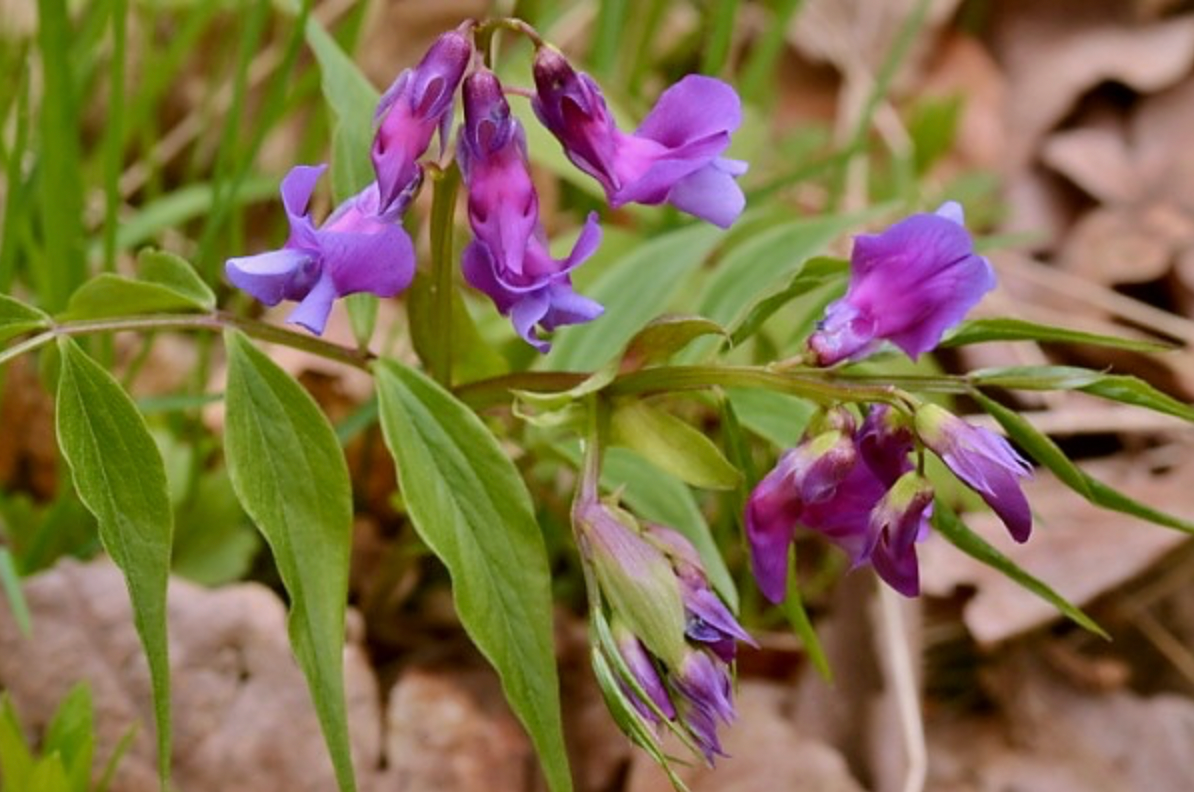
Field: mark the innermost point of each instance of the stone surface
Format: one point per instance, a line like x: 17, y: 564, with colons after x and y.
x: 243, y: 721
x: 450, y: 729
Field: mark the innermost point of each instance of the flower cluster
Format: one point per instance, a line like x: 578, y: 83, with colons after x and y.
x: 856, y: 485
x: 671, y: 633
x: 674, y: 157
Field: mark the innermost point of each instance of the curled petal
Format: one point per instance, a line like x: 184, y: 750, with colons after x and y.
x: 695, y: 107
x: 286, y: 274
x: 710, y: 194
x: 312, y: 313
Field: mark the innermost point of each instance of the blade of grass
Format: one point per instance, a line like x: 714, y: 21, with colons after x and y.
x: 607, y: 41
x: 114, y: 134
x: 60, y: 182
x: 754, y: 81
x: 15, y: 215
x: 719, y: 37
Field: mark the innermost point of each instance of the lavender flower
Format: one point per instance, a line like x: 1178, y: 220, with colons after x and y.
x: 984, y: 460
x: 908, y: 285
x: 508, y: 258
x: 418, y: 103
x: 675, y: 637
x: 354, y: 251
x: 674, y: 156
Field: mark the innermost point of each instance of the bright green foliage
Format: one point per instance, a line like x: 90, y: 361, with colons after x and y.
x: 119, y: 475
x: 471, y: 507
x: 290, y: 475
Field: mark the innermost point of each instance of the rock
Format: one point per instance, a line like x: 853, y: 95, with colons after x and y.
x: 450, y: 729
x: 242, y: 716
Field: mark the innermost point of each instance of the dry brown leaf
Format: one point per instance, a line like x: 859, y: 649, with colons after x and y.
x: 766, y: 750
x: 1051, y: 736
x: 1078, y: 549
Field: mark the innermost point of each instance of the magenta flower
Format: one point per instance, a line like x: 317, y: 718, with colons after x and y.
x: 508, y: 258
x: 984, y: 460
x: 418, y: 103
x: 810, y: 473
x: 675, y: 155
x: 642, y: 666
x: 354, y: 251
x: 908, y: 285
x: 865, y: 501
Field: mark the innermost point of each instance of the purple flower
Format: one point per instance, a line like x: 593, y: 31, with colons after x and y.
x: 863, y: 499
x: 709, y: 621
x: 808, y: 474
x: 674, y: 635
x: 639, y: 661
x: 908, y: 285
x: 674, y: 156
x: 354, y: 251
x: 418, y: 103
x: 984, y: 460
x: 508, y: 258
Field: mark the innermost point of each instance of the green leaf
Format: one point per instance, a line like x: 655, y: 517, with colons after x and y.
x: 213, y: 543
x: 290, y: 475
x: 120, y: 478
x: 815, y: 273
x: 16, y: 318
x: 1137, y: 392
x: 1045, y: 451
x: 16, y: 758
x: 777, y: 417
x: 167, y: 283
x: 10, y: 583
x: 362, y: 315
x: 470, y: 506
x: 1036, y: 377
x: 802, y: 625
x: 664, y: 337
x: 71, y: 735
x: 353, y: 100
x: 661, y: 498
x: 634, y: 291
x: 754, y: 267
x: 176, y: 274
x: 978, y: 331
x: 672, y: 445
x: 960, y: 536
x: 59, y: 162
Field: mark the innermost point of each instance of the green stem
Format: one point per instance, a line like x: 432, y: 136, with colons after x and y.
x: 594, y: 447
x: 215, y: 322
x: 443, y: 207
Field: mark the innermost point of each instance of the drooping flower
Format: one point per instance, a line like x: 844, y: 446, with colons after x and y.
x: 984, y: 461
x: 675, y: 156
x: 413, y: 108
x: 672, y: 633
x: 810, y: 473
x: 354, y: 251
x: 508, y: 258
x: 908, y: 285
x: 866, y: 502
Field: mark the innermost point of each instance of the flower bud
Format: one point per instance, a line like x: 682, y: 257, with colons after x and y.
x: 985, y: 461
x: 416, y: 105
x: 897, y: 523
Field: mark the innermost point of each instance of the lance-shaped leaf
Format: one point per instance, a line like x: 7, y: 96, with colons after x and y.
x: 290, y: 475
x: 978, y: 331
x: 119, y: 475
x: 470, y: 506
